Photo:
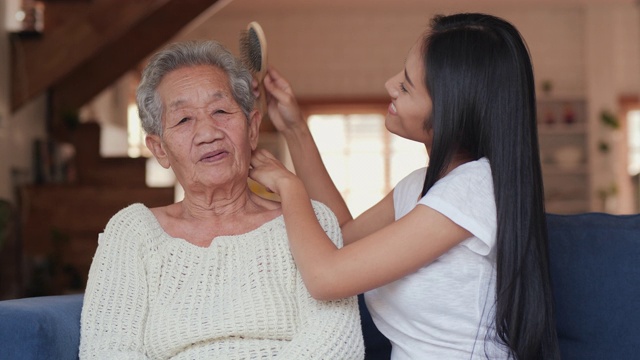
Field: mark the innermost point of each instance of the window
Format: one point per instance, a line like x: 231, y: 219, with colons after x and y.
x: 628, y: 174
x: 364, y: 160
x: 137, y: 146
x: 155, y: 174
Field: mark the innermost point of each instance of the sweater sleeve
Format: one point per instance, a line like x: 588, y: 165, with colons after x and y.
x: 327, y: 329
x: 115, y: 301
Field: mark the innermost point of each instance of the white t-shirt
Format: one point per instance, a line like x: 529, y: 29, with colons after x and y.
x: 445, y: 310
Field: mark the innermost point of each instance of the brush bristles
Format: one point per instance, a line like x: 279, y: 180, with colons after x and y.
x: 251, y: 50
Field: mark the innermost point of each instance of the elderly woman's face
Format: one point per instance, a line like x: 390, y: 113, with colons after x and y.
x: 206, y: 139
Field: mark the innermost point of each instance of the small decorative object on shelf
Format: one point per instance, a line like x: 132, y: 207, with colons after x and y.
x: 562, y: 114
x: 549, y: 117
x: 569, y: 115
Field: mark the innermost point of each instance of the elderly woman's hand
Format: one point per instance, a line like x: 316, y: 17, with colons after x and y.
x: 271, y: 173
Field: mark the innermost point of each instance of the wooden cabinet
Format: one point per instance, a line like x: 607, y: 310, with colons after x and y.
x: 563, y: 137
x: 60, y: 226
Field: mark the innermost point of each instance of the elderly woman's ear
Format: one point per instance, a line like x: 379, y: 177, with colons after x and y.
x: 255, y: 118
x: 155, y: 146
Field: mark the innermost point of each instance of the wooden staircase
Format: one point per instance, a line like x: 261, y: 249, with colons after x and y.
x: 88, y: 44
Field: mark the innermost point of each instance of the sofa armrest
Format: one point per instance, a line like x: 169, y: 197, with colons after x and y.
x: 46, y: 327
x: 595, y: 273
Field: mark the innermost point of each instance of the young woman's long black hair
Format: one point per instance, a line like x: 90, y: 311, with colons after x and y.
x: 480, y: 78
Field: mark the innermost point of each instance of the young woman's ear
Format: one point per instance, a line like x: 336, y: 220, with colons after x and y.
x: 255, y: 118
x: 154, y: 143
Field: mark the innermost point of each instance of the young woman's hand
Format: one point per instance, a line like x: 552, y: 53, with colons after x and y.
x: 271, y: 173
x: 283, y: 108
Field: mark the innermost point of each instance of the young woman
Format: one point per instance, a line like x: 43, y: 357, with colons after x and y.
x: 454, y: 260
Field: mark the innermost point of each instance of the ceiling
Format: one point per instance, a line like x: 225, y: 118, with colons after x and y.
x: 271, y: 5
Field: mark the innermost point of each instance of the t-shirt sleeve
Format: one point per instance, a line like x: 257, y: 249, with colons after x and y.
x: 407, y: 191
x: 466, y: 197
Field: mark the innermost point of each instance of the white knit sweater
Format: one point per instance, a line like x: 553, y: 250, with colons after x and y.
x: 152, y: 296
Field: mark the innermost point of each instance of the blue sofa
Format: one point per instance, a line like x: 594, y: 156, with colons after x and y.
x: 595, y: 268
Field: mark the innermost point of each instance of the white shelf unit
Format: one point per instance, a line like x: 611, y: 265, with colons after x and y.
x: 563, y: 137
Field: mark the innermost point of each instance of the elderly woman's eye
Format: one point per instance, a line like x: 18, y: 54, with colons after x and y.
x: 220, y: 111
x: 183, y: 120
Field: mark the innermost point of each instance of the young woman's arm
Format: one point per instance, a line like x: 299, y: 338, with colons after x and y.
x: 287, y: 118
x: 388, y: 254
x: 328, y: 329
x: 375, y: 218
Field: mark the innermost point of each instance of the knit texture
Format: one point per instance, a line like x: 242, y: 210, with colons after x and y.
x: 152, y: 296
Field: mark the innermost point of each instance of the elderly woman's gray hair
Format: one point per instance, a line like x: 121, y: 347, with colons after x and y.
x: 185, y: 54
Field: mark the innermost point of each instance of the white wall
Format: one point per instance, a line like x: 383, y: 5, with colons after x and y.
x: 336, y: 53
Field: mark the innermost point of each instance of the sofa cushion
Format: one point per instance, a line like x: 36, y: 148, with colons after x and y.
x: 41, y: 327
x: 595, y: 270
x: 376, y: 345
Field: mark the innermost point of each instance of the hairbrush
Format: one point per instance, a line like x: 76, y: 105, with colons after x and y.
x: 253, y: 53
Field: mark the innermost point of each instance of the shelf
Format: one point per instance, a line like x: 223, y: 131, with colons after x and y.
x: 555, y: 169
x: 563, y: 138
x: 562, y: 129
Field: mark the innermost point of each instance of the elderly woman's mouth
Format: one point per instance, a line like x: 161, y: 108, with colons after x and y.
x: 214, y: 156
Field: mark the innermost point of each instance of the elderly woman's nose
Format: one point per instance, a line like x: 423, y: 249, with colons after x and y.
x: 207, y: 129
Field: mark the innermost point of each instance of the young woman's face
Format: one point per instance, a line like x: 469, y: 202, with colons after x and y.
x: 410, y: 101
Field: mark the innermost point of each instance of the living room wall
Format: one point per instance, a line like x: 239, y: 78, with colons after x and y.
x: 331, y: 53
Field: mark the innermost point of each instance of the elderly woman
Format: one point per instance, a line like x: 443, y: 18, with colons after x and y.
x: 210, y: 277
